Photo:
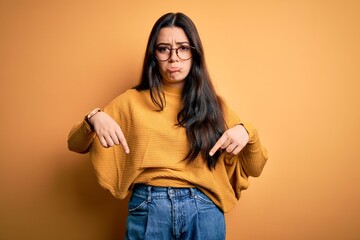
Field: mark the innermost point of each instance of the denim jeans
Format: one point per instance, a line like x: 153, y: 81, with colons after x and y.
x: 166, y: 213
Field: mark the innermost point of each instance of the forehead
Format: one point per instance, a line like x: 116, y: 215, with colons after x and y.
x: 171, y: 35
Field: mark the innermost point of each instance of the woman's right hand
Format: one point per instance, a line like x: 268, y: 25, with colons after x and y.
x: 108, y: 131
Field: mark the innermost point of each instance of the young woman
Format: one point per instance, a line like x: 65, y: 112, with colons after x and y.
x: 172, y: 142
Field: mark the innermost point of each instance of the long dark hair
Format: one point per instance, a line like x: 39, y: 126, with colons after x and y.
x: 201, y: 112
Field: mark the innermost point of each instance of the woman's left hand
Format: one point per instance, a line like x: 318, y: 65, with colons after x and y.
x: 233, y: 140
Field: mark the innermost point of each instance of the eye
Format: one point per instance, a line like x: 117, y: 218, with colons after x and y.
x: 162, y: 49
x: 184, y: 48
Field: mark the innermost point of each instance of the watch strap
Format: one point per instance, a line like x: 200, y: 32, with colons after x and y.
x: 90, y: 115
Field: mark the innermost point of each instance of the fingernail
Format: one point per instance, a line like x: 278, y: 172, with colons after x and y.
x: 211, y: 153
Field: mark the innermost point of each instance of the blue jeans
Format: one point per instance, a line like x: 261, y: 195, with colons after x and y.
x: 166, y: 213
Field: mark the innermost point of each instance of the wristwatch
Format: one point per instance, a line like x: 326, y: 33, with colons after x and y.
x: 90, y: 115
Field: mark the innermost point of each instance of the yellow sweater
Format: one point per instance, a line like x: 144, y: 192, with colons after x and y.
x: 158, y: 147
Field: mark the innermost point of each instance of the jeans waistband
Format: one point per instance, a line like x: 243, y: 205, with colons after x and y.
x: 163, y: 192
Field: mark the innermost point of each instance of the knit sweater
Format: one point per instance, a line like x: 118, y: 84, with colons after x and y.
x: 157, y: 150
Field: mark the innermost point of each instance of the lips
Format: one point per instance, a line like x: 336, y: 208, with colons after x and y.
x: 174, y: 69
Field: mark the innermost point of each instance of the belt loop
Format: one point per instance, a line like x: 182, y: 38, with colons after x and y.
x: 192, y: 192
x: 149, y: 194
x: 170, y: 192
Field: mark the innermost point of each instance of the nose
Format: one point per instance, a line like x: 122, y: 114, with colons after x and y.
x: 173, y: 55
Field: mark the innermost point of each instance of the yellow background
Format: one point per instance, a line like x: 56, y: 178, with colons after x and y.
x: 292, y: 68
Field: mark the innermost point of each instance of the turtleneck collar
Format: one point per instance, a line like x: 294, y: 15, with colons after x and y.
x: 173, y: 91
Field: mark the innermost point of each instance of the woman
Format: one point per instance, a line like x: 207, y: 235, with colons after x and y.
x: 190, y: 154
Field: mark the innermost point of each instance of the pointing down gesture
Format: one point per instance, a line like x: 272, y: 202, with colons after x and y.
x: 108, y: 131
x: 233, y: 140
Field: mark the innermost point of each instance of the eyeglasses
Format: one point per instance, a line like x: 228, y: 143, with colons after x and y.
x: 163, y: 53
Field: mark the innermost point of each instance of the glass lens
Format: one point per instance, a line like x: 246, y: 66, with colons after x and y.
x: 162, y: 53
x: 184, y: 52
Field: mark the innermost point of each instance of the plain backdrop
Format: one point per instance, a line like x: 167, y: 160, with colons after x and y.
x: 291, y: 68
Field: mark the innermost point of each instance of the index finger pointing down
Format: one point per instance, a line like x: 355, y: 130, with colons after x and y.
x: 217, y: 145
x: 122, y: 140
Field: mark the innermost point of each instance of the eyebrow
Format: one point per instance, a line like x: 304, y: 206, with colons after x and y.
x: 168, y: 44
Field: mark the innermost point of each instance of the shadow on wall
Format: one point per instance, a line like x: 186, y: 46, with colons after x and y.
x: 98, y: 215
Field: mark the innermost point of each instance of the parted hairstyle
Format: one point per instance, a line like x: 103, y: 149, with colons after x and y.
x: 201, y: 111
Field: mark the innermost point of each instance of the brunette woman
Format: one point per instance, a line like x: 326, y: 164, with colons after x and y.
x: 172, y: 142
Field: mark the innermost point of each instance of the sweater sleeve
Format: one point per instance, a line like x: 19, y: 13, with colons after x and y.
x: 253, y: 156
x: 80, y: 137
